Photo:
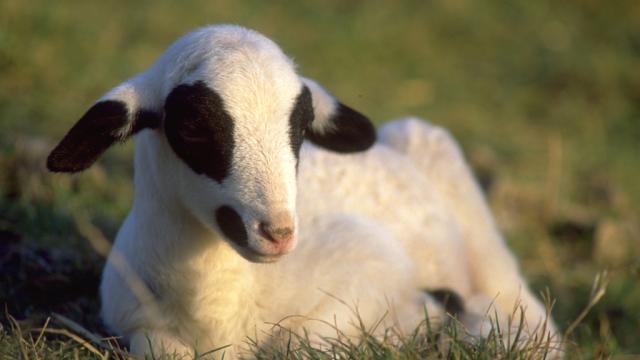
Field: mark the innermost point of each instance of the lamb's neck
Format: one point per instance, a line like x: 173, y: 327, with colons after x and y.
x: 193, y: 269
x: 169, y: 233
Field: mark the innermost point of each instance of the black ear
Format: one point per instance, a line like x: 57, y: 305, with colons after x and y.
x: 121, y: 112
x: 336, y: 126
x: 348, y: 131
x: 105, y: 123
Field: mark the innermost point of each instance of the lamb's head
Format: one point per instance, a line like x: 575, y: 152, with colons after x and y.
x: 228, y: 115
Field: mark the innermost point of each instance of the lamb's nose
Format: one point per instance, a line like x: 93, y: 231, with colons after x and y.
x: 276, y: 234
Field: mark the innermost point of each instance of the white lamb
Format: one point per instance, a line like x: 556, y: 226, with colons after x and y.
x: 225, y: 187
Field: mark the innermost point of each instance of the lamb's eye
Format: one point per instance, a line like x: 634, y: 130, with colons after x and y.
x: 194, y: 131
x: 199, y: 130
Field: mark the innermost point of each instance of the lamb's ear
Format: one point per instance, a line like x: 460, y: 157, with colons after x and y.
x: 115, y: 117
x: 336, y: 126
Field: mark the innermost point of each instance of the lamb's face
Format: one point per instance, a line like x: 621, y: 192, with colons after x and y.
x: 241, y: 143
x: 234, y: 112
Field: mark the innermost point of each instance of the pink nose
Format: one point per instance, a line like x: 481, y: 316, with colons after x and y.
x: 280, y: 236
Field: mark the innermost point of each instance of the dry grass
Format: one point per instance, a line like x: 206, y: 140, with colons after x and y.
x: 67, y: 339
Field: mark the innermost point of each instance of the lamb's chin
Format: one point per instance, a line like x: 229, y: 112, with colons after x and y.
x: 257, y: 257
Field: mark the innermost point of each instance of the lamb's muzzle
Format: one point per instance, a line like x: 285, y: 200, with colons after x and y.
x: 279, y: 236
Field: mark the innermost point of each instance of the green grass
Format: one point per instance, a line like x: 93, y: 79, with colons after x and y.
x: 543, y: 95
x: 427, y: 342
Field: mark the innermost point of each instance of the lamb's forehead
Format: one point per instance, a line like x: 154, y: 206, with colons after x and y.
x: 253, y: 79
x: 246, y: 69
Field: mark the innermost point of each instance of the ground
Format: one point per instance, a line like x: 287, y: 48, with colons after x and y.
x: 544, y: 97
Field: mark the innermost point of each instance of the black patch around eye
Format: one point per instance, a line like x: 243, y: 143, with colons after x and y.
x: 199, y: 129
x: 301, y: 116
x: 349, y: 132
x: 231, y: 225
x: 89, y: 137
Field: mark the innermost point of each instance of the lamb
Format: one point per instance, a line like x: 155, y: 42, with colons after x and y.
x: 238, y: 223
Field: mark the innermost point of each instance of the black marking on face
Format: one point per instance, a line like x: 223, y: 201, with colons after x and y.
x: 232, y: 226
x: 89, y: 137
x: 349, y: 131
x: 199, y: 129
x: 449, y: 299
x: 300, y: 119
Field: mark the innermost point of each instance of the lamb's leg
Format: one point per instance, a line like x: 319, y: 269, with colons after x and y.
x: 156, y: 344
x: 364, y: 276
x: 493, y: 267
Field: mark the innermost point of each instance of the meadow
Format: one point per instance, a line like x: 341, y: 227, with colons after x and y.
x: 544, y: 97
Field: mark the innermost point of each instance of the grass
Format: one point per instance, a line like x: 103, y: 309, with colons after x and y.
x: 544, y: 97
x: 450, y: 341
x: 426, y: 342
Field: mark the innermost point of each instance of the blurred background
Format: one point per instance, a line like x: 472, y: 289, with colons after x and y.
x: 544, y: 96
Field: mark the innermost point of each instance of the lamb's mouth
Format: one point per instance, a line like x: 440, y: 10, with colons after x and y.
x: 257, y: 257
